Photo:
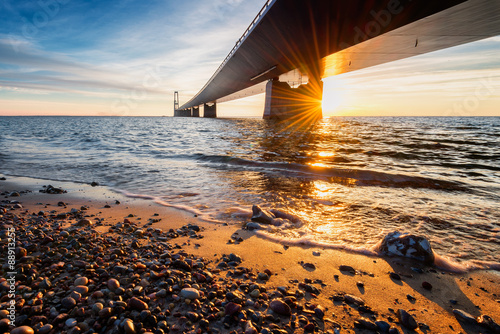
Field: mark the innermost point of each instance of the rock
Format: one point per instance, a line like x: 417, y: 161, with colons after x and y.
x: 128, y: 326
x: 464, y: 316
x: 488, y: 322
x: 71, y: 322
x: 106, y: 312
x: 82, y: 289
x: 262, y: 216
x: 319, y: 312
x: 406, y: 319
x: 45, y: 329
x: 76, y: 296
x: 137, y: 304
x: 250, y: 329
x: 407, y: 245
x: 22, y: 330
x: 235, y: 258
x: 395, y: 276
x: 68, y: 303
x: 350, y: 299
x: 253, y: 226
x: 383, y: 326
x: 232, y: 308
x: 255, y: 293
x: 393, y: 330
x: 113, y: 284
x: 4, y: 325
x: 20, y: 252
x: 427, y: 286
x: 190, y: 293
x: 263, y: 276
x: 309, y: 266
x: 308, y: 327
x: 84, y: 222
x: 366, y: 324
x: 280, y: 307
x: 347, y: 269
x: 97, y: 307
x: 45, y: 284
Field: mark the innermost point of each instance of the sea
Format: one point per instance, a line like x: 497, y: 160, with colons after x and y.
x: 350, y: 180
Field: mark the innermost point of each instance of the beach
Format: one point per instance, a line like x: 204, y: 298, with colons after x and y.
x: 92, y: 260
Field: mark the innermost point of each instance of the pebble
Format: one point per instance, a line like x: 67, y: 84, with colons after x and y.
x: 22, y: 330
x: 71, y: 322
x: 350, y: 299
x: 68, y: 303
x: 366, y: 324
x: 45, y: 329
x: 113, y: 284
x: 232, y: 308
x: 395, y: 276
x: 406, y: 319
x: 347, y: 269
x: 427, y: 286
x: 128, y: 326
x: 280, y: 307
x: 383, y: 326
x: 190, y: 293
x: 82, y: 289
x: 97, y: 307
x: 464, y: 316
x: 137, y: 304
x: 81, y: 281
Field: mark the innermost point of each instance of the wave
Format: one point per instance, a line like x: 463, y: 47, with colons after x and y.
x: 338, y: 175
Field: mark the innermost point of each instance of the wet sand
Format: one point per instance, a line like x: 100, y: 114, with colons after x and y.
x: 262, y: 287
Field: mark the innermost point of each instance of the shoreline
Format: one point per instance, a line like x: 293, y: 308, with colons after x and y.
x: 306, y: 278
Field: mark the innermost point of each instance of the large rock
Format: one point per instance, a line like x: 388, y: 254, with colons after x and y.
x: 407, y: 245
x: 262, y: 216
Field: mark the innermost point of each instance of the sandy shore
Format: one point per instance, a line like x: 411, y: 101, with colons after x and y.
x: 175, y: 274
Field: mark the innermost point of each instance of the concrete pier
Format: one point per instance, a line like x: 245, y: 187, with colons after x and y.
x: 182, y: 113
x: 195, y: 112
x: 210, y: 110
x: 302, y: 103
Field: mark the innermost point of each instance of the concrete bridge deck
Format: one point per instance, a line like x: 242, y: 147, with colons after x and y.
x: 328, y: 37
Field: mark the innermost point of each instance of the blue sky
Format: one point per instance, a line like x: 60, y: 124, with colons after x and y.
x: 69, y: 57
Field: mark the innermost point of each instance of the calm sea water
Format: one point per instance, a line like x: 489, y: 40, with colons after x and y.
x: 351, y: 180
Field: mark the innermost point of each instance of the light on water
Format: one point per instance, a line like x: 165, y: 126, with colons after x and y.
x: 350, y: 180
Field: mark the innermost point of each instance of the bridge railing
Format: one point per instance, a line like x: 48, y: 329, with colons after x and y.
x: 247, y: 32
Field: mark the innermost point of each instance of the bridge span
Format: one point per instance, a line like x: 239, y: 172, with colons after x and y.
x: 299, y: 41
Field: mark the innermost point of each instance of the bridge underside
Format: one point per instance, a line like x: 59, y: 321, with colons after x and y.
x: 309, y: 40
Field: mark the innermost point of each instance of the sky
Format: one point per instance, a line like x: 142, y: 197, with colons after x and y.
x: 126, y: 58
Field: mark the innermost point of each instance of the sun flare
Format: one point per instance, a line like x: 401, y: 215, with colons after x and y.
x: 333, y: 95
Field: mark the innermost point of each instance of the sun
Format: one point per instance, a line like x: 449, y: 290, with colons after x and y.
x: 333, y: 95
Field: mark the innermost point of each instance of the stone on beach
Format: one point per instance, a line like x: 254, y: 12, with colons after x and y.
x: 464, y: 316
x: 68, y: 303
x: 406, y: 319
x: 280, y: 307
x: 22, y: 330
x: 407, y: 245
x: 190, y: 293
x: 262, y: 216
x: 137, y: 304
x: 81, y: 281
x: 113, y: 284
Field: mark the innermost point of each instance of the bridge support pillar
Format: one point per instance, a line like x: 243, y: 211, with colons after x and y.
x: 301, y: 104
x: 195, y: 112
x: 182, y: 113
x: 210, y: 110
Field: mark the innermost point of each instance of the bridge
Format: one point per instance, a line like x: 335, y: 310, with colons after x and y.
x: 292, y: 44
